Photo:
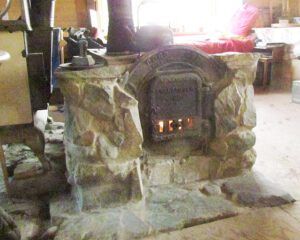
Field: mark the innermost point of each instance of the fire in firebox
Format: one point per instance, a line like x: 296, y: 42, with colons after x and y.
x: 169, y: 126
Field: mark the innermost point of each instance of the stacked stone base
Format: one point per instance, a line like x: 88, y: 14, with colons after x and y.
x: 89, y: 197
x: 162, y: 170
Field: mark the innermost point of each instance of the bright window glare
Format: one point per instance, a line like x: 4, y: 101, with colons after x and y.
x: 185, y: 15
x: 180, y: 15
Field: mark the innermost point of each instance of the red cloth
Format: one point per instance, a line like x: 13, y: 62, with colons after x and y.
x: 241, y: 24
x: 224, y: 45
x: 244, y: 20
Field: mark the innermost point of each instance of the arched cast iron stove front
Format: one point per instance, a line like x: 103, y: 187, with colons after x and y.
x: 176, y: 88
x: 180, y: 105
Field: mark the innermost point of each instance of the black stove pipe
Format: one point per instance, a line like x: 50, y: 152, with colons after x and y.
x: 121, y: 32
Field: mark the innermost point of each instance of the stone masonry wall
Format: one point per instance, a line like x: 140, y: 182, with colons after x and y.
x: 103, y: 139
x: 231, y: 152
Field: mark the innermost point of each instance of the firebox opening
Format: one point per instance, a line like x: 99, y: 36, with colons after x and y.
x: 175, y: 88
x: 178, y: 106
x: 173, y: 126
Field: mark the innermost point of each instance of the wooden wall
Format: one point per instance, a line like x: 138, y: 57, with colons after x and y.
x: 263, y: 3
x: 294, y: 5
x: 265, y: 13
x: 67, y: 13
x: 74, y: 12
x: 14, y: 10
x: 71, y: 13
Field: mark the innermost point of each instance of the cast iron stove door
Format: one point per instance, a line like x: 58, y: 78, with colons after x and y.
x: 175, y: 102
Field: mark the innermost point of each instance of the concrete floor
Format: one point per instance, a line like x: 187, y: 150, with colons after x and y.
x: 278, y: 149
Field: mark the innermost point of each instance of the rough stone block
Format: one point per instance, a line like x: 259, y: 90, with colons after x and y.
x: 61, y: 208
x: 30, y: 228
x: 249, y: 115
x: 170, y: 208
x: 211, y: 189
x: 76, y: 154
x: 230, y: 167
x: 254, y: 190
x: 103, y: 195
x: 118, y: 138
x: 160, y: 170
x: 240, y: 140
x: 98, y: 100
x: 192, y: 169
x: 9, y: 229
x: 227, y: 107
x: 49, y: 183
x: 92, y: 173
x: 54, y: 132
x: 16, y: 153
x: 106, y: 148
x: 249, y: 158
x: 85, y: 139
x: 106, y: 224
x: 24, y: 207
x: 71, y: 90
x: 219, y: 147
x: 162, y: 220
x: 28, y: 168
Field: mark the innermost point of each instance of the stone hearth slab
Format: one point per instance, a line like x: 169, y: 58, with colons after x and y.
x: 27, y: 215
x: 253, y: 190
x: 28, y: 179
x: 162, y: 209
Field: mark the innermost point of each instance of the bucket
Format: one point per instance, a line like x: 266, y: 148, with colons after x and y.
x: 296, y: 91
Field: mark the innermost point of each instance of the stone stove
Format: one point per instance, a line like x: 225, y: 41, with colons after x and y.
x: 171, y: 116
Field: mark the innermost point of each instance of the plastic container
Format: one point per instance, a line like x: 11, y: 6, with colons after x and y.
x: 296, y: 91
x: 296, y: 69
x: 296, y: 20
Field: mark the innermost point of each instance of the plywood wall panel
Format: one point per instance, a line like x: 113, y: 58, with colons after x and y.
x: 15, y: 106
x: 263, y: 3
x: 71, y: 13
x: 67, y: 12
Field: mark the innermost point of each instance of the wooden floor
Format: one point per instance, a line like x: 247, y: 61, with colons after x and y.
x: 262, y: 224
x: 278, y: 148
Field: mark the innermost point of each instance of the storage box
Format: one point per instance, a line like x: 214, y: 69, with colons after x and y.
x: 296, y: 91
x: 296, y: 69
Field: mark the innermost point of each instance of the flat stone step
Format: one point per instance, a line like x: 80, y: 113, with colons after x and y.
x: 27, y: 169
x: 164, y: 209
x: 254, y: 190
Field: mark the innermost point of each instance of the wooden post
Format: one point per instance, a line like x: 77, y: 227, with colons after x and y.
x: 271, y: 11
x: 4, y: 169
x: 90, y: 5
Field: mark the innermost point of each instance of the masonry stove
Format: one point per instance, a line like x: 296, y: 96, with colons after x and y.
x: 173, y: 115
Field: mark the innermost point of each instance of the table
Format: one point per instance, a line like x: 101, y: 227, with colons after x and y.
x: 273, y: 53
